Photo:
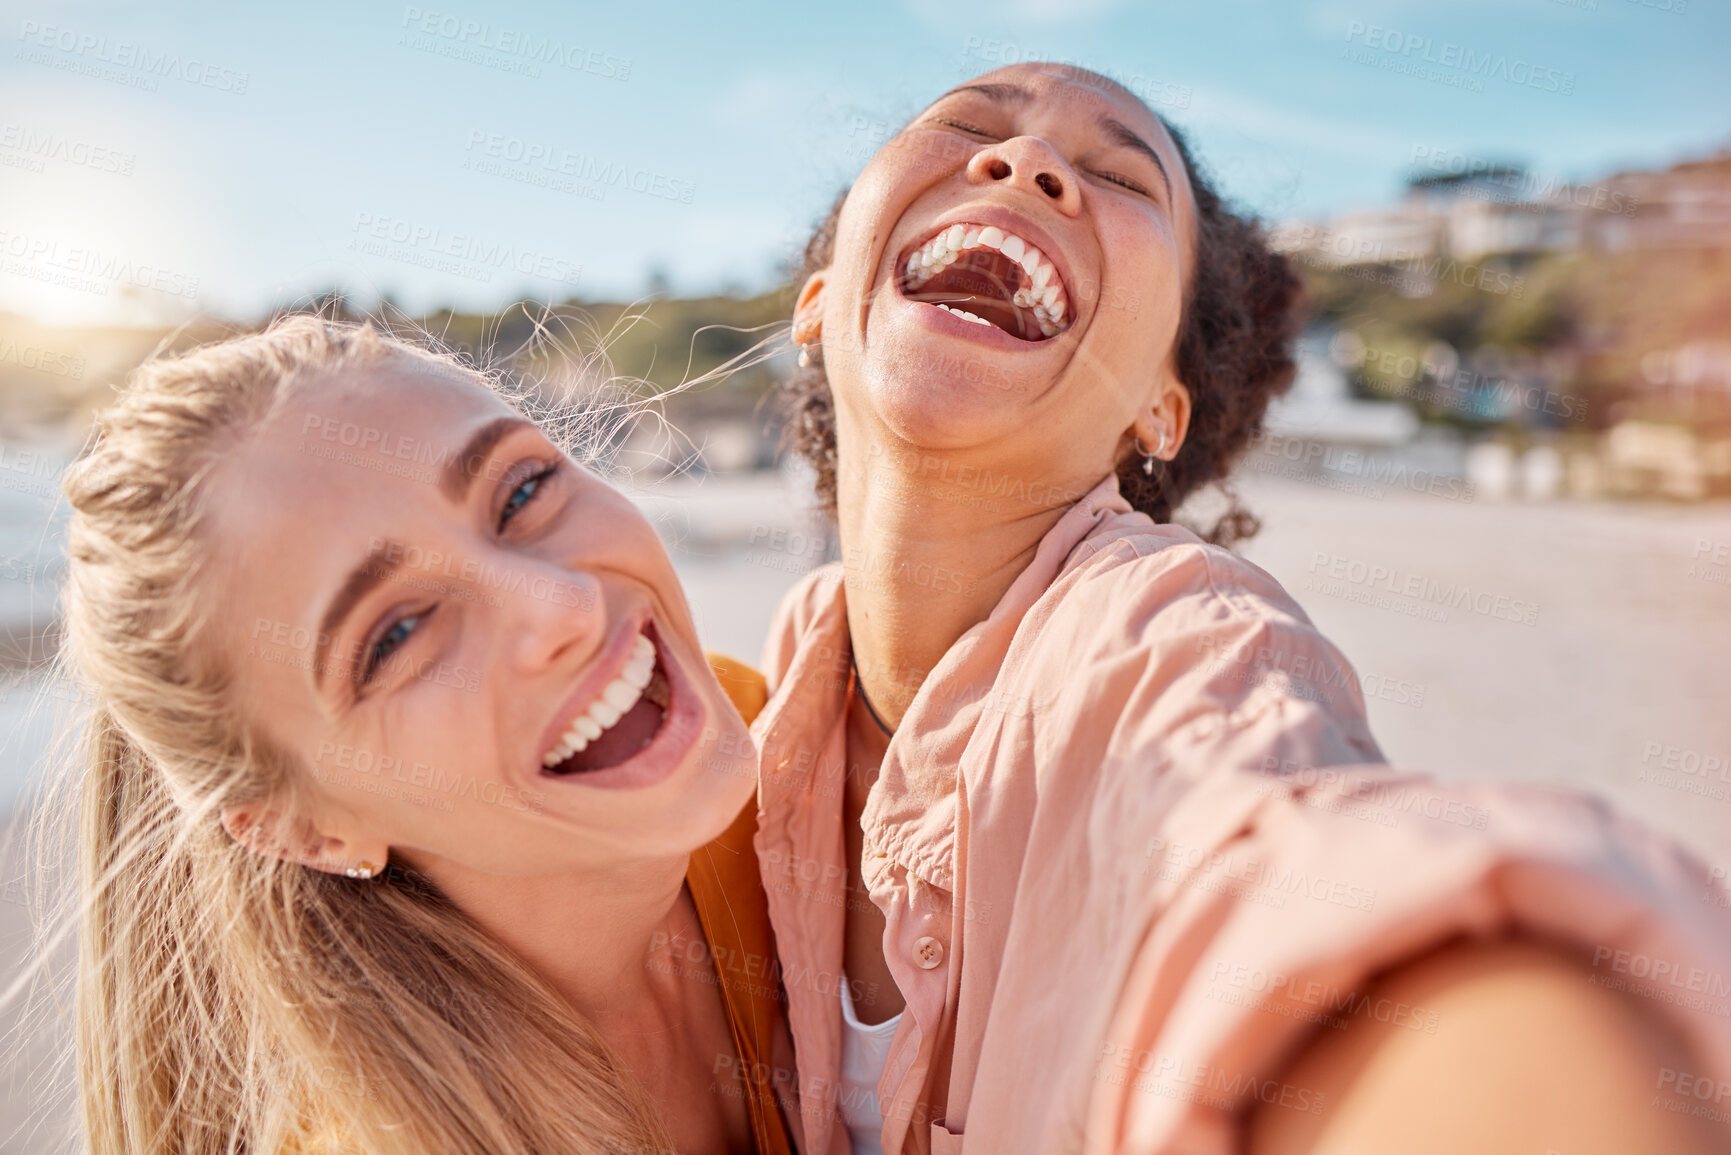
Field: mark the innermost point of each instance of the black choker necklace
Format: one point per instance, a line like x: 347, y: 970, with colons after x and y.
x: 859, y: 688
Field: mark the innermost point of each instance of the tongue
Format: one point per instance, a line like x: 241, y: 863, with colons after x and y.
x: 982, y: 282
x: 628, y: 735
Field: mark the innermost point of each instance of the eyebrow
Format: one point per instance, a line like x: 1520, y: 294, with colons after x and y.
x: 383, y: 561
x: 1123, y: 134
x: 1002, y: 93
x: 1119, y: 132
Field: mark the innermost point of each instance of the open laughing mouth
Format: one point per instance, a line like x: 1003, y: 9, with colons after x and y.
x: 620, y: 721
x: 989, y: 276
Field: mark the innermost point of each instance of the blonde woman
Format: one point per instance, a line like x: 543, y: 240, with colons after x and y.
x: 413, y: 814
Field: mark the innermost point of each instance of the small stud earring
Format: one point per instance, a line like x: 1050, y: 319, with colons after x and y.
x: 364, y: 870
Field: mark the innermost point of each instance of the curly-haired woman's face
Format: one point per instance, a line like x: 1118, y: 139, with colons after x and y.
x: 477, y: 650
x: 1009, y: 271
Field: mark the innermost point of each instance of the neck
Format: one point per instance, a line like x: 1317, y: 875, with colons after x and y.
x: 930, y: 542
x: 596, y: 937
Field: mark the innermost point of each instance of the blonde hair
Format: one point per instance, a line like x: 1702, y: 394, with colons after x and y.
x: 227, y: 1001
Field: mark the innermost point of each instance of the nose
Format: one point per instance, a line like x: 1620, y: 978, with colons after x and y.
x: 551, y: 616
x: 1029, y: 163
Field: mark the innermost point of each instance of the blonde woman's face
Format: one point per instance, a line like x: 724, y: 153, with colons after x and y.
x: 434, y: 608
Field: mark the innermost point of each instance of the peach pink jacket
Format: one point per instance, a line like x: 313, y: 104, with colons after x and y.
x: 1134, y: 842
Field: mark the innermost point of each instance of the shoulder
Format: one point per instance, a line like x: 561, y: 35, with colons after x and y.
x: 1153, y: 565
x: 1148, y: 585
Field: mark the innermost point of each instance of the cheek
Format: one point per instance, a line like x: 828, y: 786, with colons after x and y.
x: 1140, y: 291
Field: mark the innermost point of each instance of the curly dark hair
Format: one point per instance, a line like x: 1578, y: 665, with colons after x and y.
x: 1241, y: 313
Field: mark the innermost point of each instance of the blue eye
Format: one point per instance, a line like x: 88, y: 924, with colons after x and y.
x: 524, y: 494
x: 389, y: 642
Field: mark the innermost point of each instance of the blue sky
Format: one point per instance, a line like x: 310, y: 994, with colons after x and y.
x: 162, y: 160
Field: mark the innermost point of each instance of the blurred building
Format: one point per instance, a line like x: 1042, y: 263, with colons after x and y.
x: 1503, y: 209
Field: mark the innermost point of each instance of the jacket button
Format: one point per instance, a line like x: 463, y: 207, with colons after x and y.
x: 928, y: 952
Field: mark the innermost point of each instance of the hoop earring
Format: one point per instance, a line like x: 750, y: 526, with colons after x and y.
x: 1149, y: 456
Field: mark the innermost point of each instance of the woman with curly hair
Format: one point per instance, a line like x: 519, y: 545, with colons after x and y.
x: 1081, y: 804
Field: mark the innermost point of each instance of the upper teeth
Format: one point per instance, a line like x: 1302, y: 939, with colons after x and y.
x: 1042, y: 293
x: 612, y: 704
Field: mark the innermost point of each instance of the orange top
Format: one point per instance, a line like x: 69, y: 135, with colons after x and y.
x: 728, y: 893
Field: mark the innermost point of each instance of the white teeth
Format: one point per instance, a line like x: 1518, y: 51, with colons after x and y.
x: 614, y: 702
x: 965, y: 315
x: 621, y: 694
x: 1042, y: 295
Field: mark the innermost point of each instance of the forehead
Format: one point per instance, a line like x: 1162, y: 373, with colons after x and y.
x: 348, y: 458
x: 1088, y: 94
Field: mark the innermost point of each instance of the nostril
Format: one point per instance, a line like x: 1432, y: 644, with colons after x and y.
x: 998, y: 170
x: 1050, y: 185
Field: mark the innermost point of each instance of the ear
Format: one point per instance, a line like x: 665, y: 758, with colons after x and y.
x: 272, y: 834
x: 808, y: 310
x: 1169, y: 414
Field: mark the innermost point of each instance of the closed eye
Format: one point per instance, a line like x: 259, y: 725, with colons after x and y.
x: 1122, y: 182
x: 963, y: 126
